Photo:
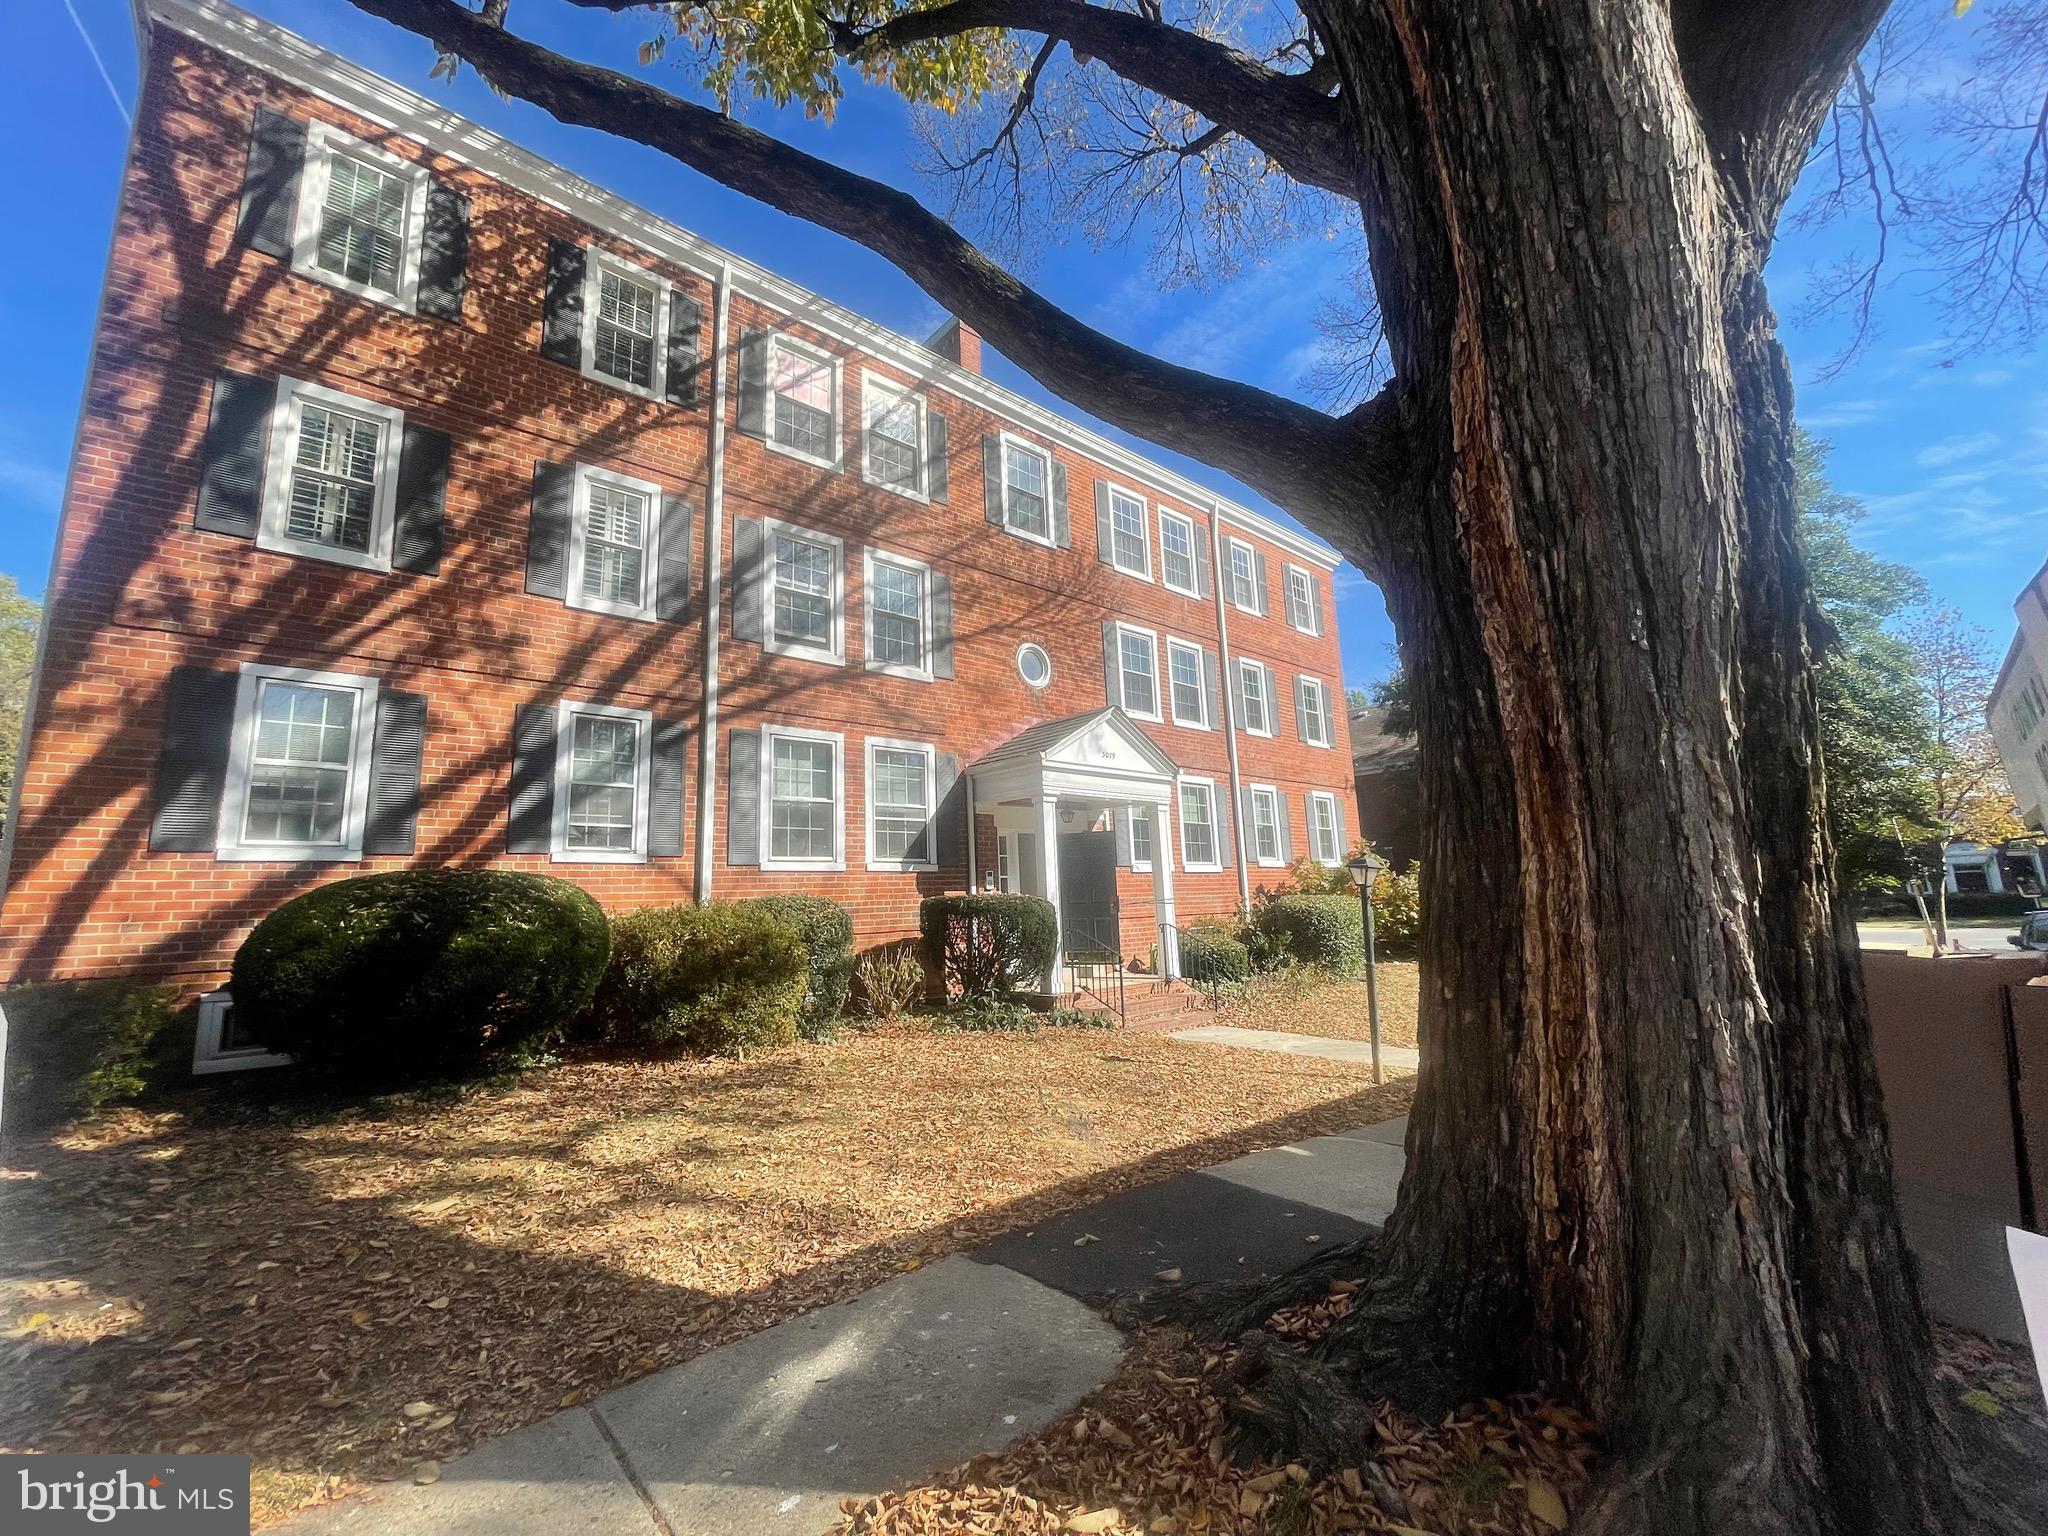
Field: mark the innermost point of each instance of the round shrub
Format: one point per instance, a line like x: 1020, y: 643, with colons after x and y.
x: 1209, y: 954
x: 1397, y: 911
x: 989, y: 946
x: 419, y: 974
x: 77, y: 1047
x: 1328, y: 931
x: 722, y: 979
x: 827, y: 934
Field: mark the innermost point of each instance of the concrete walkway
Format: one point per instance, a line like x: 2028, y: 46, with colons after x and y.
x: 1404, y: 1058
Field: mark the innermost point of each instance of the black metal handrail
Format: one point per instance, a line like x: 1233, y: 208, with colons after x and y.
x: 1213, y: 986
x: 1086, y: 970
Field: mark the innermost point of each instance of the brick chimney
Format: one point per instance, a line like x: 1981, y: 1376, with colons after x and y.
x: 958, y: 343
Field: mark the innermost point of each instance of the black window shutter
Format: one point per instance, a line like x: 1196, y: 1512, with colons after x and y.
x: 753, y: 413
x: 422, y: 500
x: 743, y: 798
x: 935, y: 485
x: 685, y: 346
x: 950, y: 794
x: 395, y: 756
x: 1210, y: 691
x: 1259, y: 575
x: 1286, y: 831
x: 270, y: 184
x: 530, y: 822
x: 1062, y: 527
x: 942, y: 625
x: 231, y: 476
x: 746, y: 580
x: 1112, y: 679
x: 1201, y: 560
x: 1226, y: 842
x: 192, y: 760
x: 444, y: 254
x: 547, y: 533
x: 678, y: 542
x: 1105, y: 545
x: 561, y: 320
x: 992, y: 479
x: 1123, y: 837
x: 1299, y: 684
x: 671, y: 762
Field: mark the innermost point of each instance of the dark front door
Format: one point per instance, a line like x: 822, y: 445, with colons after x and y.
x: 1088, y: 914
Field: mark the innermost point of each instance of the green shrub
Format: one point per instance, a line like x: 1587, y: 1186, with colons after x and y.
x: 889, y: 980
x: 987, y: 1015
x: 827, y: 935
x: 1209, y: 954
x: 1397, y: 911
x: 989, y: 946
x: 1328, y: 931
x: 420, y: 974
x: 722, y: 979
x: 1269, y: 950
x: 77, y: 1047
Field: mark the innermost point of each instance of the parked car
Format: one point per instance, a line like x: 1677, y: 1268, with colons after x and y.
x: 2033, y: 932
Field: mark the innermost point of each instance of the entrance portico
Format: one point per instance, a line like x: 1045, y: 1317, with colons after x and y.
x: 1048, y: 790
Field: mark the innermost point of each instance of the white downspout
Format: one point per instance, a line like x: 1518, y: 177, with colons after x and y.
x: 1226, y: 685
x: 714, y: 559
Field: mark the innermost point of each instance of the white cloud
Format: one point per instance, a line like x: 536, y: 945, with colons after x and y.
x: 32, y: 479
x: 1843, y: 413
x: 1949, y: 450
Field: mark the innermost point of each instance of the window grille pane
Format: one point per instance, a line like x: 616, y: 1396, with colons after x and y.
x: 362, y: 224
x: 1322, y: 813
x: 614, y: 544
x: 333, y: 490
x: 1265, y: 826
x: 901, y: 808
x: 801, y: 810
x: 298, y: 774
x: 604, y: 771
x: 1177, y: 552
x: 895, y: 456
x: 1024, y: 501
x: 623, y: 347
x: 1185, y: 668
x: 1141, y: 835
x: 1254, y: 690
x: 898, y: 625
x: 1313, y: 727
x: 1243, y: 577
x: 1198, y: 830
x: 1127, y: 532
x: 803, y: 592
x: 803, y: 403
x: 1141, y: 691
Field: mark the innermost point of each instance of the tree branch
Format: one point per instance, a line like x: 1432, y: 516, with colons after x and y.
x: 1302, y: 458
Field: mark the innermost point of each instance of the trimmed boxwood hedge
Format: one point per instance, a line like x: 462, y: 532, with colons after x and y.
x: 1210, y: 954
x: 827, y: 934
x: 721, y: 979
x: 1328, y: 931
x: 420, y: 974
x: 989, y: 946
x: 77, y: 1047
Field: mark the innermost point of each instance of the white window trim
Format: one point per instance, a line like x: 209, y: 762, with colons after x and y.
x: 565, y: 742
x: 1201, y: 722
x: 765, y: 817
x: 1231, y: 546
x: 777, y: 343
x: 1050, y: 538
x: 1268, y: 792
x: 931, y: 800
x: 870, y: 558
x: 272, y: 524
x: 1044, y: 655
x: 1245, y: 664
x: 1323, y: 796
x: 1155, y: 714
x: 1194, y: 559
x: 874, y: 390
x: 1111, y: 490
x: 1138, y: 865
x: 1312, y: 602
x: 650, y: 544
x: 836, y: 657
x: 595, y: 262
x: 1329, y: 738
x: 1190, y: 865
x: 209, y: 1055
x: 234, y: 801
x: 323, y: 141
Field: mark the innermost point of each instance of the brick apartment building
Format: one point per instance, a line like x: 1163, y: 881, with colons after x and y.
x: 432, y: 506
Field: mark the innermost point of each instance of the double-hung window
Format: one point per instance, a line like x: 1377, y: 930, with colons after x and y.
x: 1313, y: 703
x: 298, y: 783
x: 361, y: 214
x: 1200, y: 845
x: 893, y: 436
x: 627, y: 311
x: 900, y: 803
x: 803, y: 402
x: 898, y: 615
x: 1325, y: 830
x: 805, y: 577
x: 1177, y: 565
x: 602, y: 765
x: 1139, y: 820
x: 803, y: 795
x: 1244, y: 576
x: 1184, y: 683
x: 1136, y: 654
x: 1027, y: 490
x: 1304, y: 609
x: 330, y: 484
x: 612, y: 543
x: 1268, y: 845
x: 1255, y: 703
x: 1129, y: 550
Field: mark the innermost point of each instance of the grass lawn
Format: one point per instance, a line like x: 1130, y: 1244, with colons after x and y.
x: 347, y: 1296
x: 1311, y: 1005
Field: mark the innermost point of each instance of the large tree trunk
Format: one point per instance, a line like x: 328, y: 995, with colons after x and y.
x: 1648, y: 1162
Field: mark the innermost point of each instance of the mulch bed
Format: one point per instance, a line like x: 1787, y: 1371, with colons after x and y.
x: 1308, y: 1004
x: 349, y: 1296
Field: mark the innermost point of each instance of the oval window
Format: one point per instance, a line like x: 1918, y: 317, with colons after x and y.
x: 1033, y: 665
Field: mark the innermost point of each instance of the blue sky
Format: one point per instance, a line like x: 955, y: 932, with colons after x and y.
x: 1947, y: 446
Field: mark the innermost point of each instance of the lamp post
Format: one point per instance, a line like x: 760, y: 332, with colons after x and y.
x: 1365, y: 869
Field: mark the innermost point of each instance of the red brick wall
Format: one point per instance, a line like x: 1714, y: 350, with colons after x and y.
x: 139, y: 590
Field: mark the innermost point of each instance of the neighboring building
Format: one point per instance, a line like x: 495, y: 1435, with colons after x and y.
x: 432, y: 506
x: 2018, y: 708
x: 1386, y: 778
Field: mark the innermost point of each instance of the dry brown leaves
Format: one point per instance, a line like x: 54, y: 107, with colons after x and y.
x: 1146, y: 1455
x: 349, y: 1299
x: 1305, y: 1005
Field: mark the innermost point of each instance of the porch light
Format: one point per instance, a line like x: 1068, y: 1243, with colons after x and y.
x: 1365, y: 868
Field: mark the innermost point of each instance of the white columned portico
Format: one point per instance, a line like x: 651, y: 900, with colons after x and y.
x: 1162, y: 893
x: 1049, y: 855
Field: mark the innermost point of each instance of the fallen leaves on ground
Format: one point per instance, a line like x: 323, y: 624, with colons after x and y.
x: 378, y: 1291
x: 1145, y: 1457
x: 1306, y: 1004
